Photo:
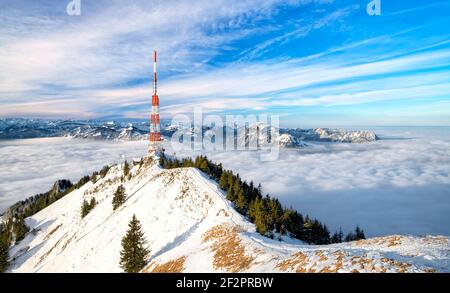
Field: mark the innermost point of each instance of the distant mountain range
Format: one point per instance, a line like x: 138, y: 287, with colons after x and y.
x: 13, y: 128
x: 18, y: 128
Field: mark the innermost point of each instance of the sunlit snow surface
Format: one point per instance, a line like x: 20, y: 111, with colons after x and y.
x: 398, y: 185
x: 189, y: 226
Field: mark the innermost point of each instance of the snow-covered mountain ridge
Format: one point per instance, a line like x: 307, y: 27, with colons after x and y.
x: 191, y: 227
x: 114, y: 130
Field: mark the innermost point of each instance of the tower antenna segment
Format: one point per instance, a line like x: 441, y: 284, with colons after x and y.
x: 155, y: 134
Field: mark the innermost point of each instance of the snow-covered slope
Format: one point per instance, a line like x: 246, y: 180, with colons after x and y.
x: 191, y: 227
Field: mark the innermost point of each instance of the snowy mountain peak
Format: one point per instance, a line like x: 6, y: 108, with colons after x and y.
x: 345, y: 136
x: 288, y: 141
x: 190, y: 226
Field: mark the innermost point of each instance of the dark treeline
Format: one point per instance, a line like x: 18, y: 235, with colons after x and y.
x: 265, y: 212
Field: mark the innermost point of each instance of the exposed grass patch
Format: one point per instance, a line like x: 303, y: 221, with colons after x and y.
x: 52, y: 231
x: 297, y: 263
x: 172, y: 266
x: 229, y: 252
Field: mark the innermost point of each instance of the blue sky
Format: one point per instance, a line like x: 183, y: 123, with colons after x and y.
x: 314, y: 63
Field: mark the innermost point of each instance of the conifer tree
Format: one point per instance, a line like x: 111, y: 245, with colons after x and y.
x: 325, y: 235
x: 4, y: 247
x: 350, y: 237
x: 104, y: 171
x: 86, y: 207
x: 230, y: 193
x: 252, y: 210
x: 3, y: 257
x: 218, y: 170
x: 204, y: 166
x: 94, y: 177
x: 92, y: 203
x: 223, y: 181
x: 187, y: 162
x: 259, y: 215
x: 359, y: 233
x: 293, y: 222
x: 252, y: 190
x: 241, y: 201
x: 275, y: 213
x: 134, y: 252
x: 230, y: 180
x: 308, y: 228
x: 119, y: 197
x: 236, y: 188
x: 20, y: 229
x: 126, y: 168
x: 335, y: 238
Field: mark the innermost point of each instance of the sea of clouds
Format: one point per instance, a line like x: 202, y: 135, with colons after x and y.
x: 398, y: 185
x: 31, y: 166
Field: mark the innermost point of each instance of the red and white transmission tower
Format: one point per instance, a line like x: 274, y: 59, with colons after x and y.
x: 155, y: 134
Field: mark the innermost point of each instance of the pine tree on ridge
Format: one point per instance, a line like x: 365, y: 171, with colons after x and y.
x: 119, y: 197
x: 133, y: 256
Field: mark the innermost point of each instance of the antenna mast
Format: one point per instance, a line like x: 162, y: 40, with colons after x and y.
x: 155, y: 134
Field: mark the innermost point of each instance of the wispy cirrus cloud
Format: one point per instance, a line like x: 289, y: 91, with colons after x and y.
x: 300, y: 30
x: 221, y: 56
x: 332, y: 81
x: 47, y: 55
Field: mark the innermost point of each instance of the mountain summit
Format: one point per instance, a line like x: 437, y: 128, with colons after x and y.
x: 190, y: 226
